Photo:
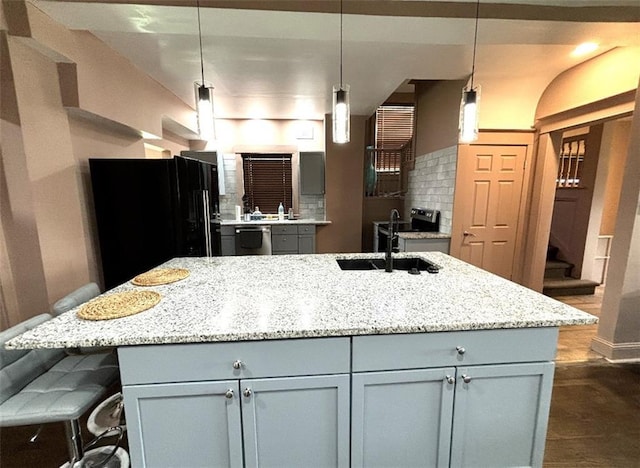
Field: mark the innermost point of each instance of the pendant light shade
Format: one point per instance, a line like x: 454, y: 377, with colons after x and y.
x: 470, y: 98
x: 341, y: 108
x: 204, y: 96
x: 204, y: 100
x: 469, y: 115
x: 341, y: 114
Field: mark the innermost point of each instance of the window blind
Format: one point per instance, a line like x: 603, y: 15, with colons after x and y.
x: 267, y: 181
x: 394, y: 129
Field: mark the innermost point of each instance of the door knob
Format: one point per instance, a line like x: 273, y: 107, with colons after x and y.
x: 229, y: 394
x: 466, y: 378
x: 460, y: 350
x: 237, y: 364
x: 468, y: 234
x: 450, y: 379
x: 247, y: 392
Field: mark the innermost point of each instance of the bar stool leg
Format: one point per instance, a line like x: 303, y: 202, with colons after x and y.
x: 74, y: 441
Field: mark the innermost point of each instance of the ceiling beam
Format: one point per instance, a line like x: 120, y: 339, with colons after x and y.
x: 608, y: 12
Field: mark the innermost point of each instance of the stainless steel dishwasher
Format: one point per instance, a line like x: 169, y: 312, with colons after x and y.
x: 253, y: 240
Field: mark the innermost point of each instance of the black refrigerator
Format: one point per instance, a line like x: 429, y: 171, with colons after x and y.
x: 151, y: 210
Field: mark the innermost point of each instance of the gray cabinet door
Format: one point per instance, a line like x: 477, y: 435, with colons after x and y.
x: 402, y: 418
x: 184, y: 424
x: 228, y: 246
x: 307, y: 244
x: 500, y: 415
x: 296, y: 421
x: 311, y: 173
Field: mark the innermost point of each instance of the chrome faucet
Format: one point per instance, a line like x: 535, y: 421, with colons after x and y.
x: 394, y: 225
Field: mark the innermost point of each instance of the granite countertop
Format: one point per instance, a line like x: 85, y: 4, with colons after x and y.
x: 229, y: 222
x: 423, y: 235
x: 297, y: 296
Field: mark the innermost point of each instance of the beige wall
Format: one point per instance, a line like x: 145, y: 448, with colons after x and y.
x: 437, y: 115
x: 344, y: 191
x: 619, y: 328
x: 46, y: 219
x: 610, y: 74
x: 602, y: 89
x: 617, y: 146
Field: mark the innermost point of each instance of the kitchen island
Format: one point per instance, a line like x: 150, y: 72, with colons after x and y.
x: 291, y: 361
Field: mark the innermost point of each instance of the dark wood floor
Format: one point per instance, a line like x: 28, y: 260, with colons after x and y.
x: 594, y: 420
x: 595, y: 408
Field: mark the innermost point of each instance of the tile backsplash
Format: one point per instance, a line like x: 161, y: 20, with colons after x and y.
x: 309, y: 206
x: 432, y: 183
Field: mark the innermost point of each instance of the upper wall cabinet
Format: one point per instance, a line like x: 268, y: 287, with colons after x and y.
x: 311, y: 173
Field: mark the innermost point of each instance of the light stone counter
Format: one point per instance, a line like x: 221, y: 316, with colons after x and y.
x: 423, y: 235
x: 228, y: 222
x: 296, y: 296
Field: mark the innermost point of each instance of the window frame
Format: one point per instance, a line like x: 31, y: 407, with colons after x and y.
x: 272, y: 149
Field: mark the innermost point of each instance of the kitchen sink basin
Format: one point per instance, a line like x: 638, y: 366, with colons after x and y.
x: 361, y: 264
x: 412, y: 265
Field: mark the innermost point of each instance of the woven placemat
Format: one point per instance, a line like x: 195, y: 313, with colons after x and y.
x: 118, y: 305
x: 160, y: 276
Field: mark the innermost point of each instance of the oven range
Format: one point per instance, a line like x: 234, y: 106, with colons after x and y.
x: 421, y: 220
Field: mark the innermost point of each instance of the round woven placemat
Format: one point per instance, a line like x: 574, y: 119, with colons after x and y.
x: 160, y: 276
x: 118, y: 305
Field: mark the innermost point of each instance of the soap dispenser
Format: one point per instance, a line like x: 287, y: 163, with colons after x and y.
x: 280, y: 212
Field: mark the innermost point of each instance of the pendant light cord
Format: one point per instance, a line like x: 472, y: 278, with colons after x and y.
x: 200, y: 36
x: 475, y: 42
x: 340, y: 44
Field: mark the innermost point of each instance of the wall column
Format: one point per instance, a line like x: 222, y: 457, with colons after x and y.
x: 619, y: 330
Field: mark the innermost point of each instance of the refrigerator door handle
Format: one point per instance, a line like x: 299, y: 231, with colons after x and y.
x: 207, y: 223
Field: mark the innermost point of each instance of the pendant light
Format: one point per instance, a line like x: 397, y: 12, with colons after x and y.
x: 341, y: 110
x: 204, y: 96
x: 470, y: 97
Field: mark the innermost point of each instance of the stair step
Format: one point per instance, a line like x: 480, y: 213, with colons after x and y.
x: 557, y: 269
x: 568, y: 287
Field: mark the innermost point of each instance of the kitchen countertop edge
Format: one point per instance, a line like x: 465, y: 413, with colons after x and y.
x: 308, y: 296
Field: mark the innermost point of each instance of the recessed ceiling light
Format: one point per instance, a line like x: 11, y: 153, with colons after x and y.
x: 584, y: 49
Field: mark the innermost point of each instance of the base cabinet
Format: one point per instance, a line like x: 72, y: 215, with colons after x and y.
x: 448, y: 399
x: 424, y: 245
x: 401, y: 418
x: 500, y: 415
x: 184, y: 424
x: 298, y: 421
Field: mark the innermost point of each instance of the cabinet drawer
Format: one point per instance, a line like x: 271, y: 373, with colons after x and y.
x: 228, y: 230
x: 284, y: 229
x: 421, y: 350
x: 306, y: 229
x: 287, y: 243
x: 214, y: 361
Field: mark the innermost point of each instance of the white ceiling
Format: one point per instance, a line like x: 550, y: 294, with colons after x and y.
x: 282, y: 64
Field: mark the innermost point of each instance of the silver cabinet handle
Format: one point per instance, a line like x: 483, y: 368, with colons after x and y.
x: 238, y: 364
x: 450, y: 379
x: 229, y: 394
x: 247, y: 392
x: 466, y: 378
x: 460, y: 350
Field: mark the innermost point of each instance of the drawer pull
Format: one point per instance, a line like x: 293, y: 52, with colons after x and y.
x: 460, y: 350
x: 450, y: 379
x: 466, y: 378
x: 238, y: 364
x: 229, y: 394
x: 247, y: 392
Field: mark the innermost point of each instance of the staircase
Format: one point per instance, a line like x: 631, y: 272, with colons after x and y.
x: 558, y: 280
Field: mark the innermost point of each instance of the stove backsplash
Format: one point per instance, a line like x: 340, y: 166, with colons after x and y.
x: 432, y: 183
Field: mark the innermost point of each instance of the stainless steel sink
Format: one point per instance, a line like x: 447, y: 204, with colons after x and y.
x: 412, y: 265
